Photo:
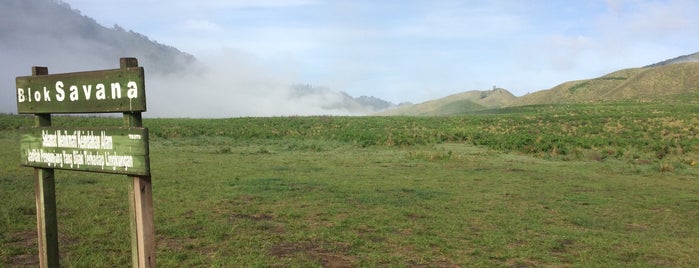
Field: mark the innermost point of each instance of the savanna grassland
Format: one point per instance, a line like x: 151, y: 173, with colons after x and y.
x: 586, y: 185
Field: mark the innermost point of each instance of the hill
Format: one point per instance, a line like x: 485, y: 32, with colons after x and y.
x: 331, y: 100
x: 678, y: 75
x: 636, y: 83
x: 43, y: 30
x: 460, y: 103
x: 684, y: 58
x: 50, y: 33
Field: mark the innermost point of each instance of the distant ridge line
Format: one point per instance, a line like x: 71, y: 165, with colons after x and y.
x: 694, y: 57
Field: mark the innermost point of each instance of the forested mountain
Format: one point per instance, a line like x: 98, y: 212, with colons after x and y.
x: 39, y: 31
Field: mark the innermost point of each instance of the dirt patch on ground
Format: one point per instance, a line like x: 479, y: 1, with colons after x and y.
x: 333, y: 255
x: 176, y: 244
x: 24, y: 244
x: 440, y: 263
x: 254, y: 217
x: 24, y: 241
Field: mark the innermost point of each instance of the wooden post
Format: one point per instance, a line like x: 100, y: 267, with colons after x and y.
x: 45, y: 193
x: 140, y: 200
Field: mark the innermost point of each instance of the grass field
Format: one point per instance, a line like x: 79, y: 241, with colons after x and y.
x: 599, y: 185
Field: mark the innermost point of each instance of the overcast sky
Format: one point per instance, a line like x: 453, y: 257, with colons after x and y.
x: 418, y: 50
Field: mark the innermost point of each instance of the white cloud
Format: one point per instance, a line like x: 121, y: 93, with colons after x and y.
x: 459, y: 20
x: 615, y: 5
x: 650, y: 20
x: 567, y: 52
x: 202, y: 25
x: 637, y: 33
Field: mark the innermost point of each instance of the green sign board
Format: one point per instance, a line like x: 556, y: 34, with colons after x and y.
x: 111, y: 150
x: 117, y: 90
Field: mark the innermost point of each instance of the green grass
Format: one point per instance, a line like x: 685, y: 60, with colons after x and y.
x: 583, y: 185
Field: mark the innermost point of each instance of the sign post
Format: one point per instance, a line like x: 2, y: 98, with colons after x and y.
x: 118, y: 150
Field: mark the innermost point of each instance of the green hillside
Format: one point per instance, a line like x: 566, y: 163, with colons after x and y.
x: 643, y: 84
x: 651, y: 83
x: 466, y: 102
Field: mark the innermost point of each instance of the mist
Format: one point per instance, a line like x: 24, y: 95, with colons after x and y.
x: 224, y: 83
x: 232, y: 83
x: 227, y: 84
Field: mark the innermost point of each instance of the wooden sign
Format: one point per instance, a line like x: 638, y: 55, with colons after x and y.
x: 120, y: 150
x: 111, y: 150
x: 106, y: 91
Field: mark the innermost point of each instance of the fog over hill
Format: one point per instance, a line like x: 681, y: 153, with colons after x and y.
x: 681, y: 59
x: 329, y: 99
x: 220, y: 84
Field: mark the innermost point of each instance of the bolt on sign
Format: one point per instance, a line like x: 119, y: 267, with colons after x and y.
x: 118, y: 150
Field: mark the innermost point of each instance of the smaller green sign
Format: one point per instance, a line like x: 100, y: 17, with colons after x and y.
x: 112, y: 150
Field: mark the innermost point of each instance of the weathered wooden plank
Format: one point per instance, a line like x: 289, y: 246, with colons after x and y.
x: 45, y: 197
x: 104, y: 91
x: 46, y: 217
x: 110, y: 150
x: 142, y: 226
